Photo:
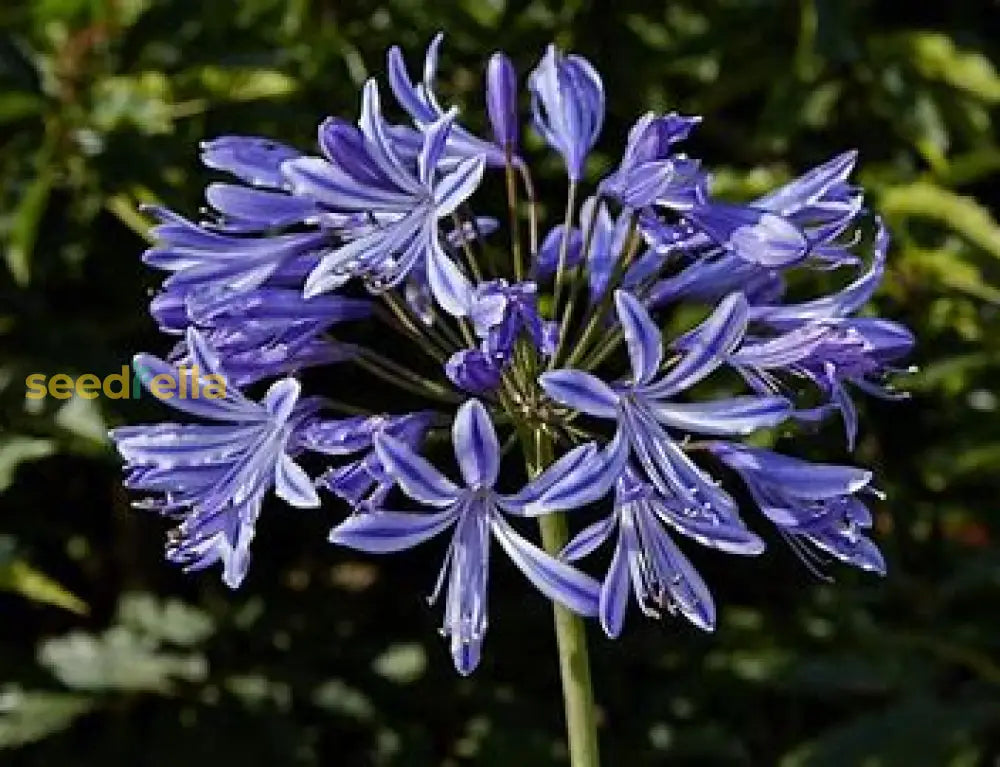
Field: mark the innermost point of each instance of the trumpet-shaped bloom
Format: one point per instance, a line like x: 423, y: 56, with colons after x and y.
x: 476, y: 513
x: 646, y: 557
x: 809, y: 502
x: 821, y: 342
x: 198, y: 257
x: 213, y: 477
x: 820, y: 203
x: 650, y: 173
x: 646, y: 412
x: 421, y: 104
x: 268, y: 331
x: 364, y: 172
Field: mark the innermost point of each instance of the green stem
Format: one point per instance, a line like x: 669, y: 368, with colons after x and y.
x: 515, y: 235
x: 390, y: 372
x: 403, y: 324
x: 529, y: 193
x: 571, y: 635
x: 575, y: 287
x: 603, y: 351
x: 470, y: 257
x: 564, y: 248
x: 597, y: 315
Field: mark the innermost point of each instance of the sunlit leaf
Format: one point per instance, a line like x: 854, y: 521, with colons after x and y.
x: 21, y: 578
x: 244, y: 84
x: 16, y: 449
x: 27, y: 716
x: 937, y: 57
x: 118, y: 659
x: 958, y: 212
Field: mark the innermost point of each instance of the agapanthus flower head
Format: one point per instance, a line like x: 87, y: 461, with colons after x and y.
x: 561, y: 338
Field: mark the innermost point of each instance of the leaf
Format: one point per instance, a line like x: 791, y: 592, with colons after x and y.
x: 170, y: 621
x: 950, y: 374
x: 82, y: 418
x: 143, y: 101
x: 224, y: 84
x: 962, y: 214
x: 936, y: 57
x: 337, y: 696
x: 118, y: 659
x: 27, y: 716
x: 401, y: 663
x: 125, y: 207
x: 947, y: 268
x: 16, y: 449
x: 914, y: 733
x: 486, y: 13
x: 26, y: 218
x: 21, y: 578
x: 16, y: 105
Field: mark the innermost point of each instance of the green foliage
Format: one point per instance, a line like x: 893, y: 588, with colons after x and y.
x: 109, y: 656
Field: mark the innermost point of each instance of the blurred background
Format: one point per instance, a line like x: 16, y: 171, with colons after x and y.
x: 109, y: 656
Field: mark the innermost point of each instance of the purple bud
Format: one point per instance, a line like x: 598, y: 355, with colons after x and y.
x: 501, y: 101
x: 567, y: 102
x: 473, y: 371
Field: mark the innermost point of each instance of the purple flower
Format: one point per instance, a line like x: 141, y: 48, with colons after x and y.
x: 422, y: 106
x: 364, y: 173
x: 363, y: 482
x: 255, y: 160
x: 753, y: 234
x: 197, y: 256
x: 548, y: 252
x: 819, y: 341
x: 476, y: 512
x: 649, y: 173
x: 646, y: 556
x: 607, y: 244
x: 501, y: 313
x: 474, y: 371
x: 824, y: 205
x: 268, y: 331
x: 567, y: 103
x: 644, y: 410
x: 256, y: 293
x: 501, y: 101
x: 820, y: 203
x: 810, y: 503
x: 213, y: 477
x: 715, y: 275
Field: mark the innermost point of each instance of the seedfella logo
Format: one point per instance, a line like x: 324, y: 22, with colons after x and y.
x: 187, y: 384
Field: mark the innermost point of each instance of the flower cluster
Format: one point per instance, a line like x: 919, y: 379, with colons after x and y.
x: 546, y: 344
